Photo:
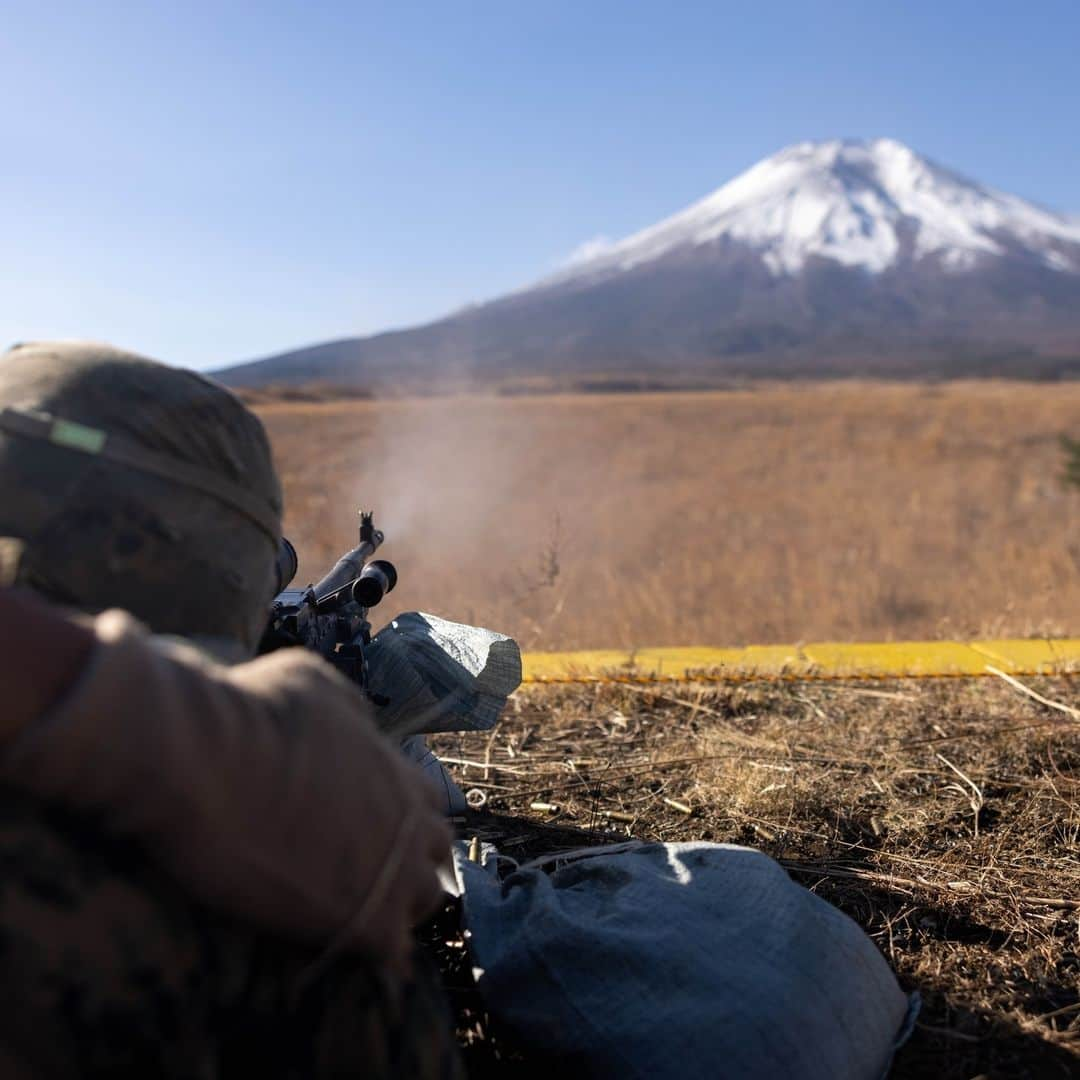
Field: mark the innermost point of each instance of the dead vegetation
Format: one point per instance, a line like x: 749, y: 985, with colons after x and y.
x: 820, y: 511
x: 942, y: 815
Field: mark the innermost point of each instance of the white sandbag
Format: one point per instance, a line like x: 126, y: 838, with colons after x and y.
x: 428, y: 675
x: 680, y: 961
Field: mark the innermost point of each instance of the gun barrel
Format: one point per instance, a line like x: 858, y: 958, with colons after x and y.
x: 346, y: 570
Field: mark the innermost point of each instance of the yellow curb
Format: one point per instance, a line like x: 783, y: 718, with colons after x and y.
x: 821, y: 660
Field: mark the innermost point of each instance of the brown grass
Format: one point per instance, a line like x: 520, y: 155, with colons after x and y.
x: 941, y: 815
x: 770, y: 513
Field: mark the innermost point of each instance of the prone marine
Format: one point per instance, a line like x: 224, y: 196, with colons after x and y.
x: 212, y: 863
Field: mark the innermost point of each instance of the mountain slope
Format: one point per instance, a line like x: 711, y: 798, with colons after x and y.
x: 866, y: 204
x: 827, y: 257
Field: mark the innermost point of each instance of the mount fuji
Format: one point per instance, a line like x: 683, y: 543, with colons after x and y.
x: 864, y: 204
x: 837, y: 257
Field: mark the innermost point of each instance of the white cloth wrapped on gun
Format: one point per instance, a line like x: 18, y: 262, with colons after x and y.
x: 427, y: 675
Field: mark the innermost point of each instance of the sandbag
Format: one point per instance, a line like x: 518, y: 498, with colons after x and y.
x: 679, y: 961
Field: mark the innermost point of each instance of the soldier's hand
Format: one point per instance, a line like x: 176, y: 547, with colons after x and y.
x: 370, y: 814
x: 265, y: 789
x: 369, y: 820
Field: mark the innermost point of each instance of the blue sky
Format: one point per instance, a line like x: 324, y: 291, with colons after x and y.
x: 210, y: 183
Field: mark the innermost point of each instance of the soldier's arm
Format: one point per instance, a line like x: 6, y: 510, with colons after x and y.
x: 41, y: 655
x: 265, y: 788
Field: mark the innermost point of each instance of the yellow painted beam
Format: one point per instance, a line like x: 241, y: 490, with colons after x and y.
x: 822, y: 660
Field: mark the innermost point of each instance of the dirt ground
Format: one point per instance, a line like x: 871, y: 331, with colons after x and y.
x: 941, y: 815
x: 788, y: 512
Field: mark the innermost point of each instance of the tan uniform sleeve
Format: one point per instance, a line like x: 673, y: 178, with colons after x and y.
x: 241, y: 781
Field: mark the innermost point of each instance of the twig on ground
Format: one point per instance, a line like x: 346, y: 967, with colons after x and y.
x: 826, y: 870
x: 976, y: 799
x: 1068, y: 710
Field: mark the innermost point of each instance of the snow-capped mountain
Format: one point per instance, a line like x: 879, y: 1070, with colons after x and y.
x: 825, y: 258
x: 866, y: 204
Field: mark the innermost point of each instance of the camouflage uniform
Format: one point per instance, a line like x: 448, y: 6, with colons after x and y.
x: 107, y: 970
x: 107, y: 967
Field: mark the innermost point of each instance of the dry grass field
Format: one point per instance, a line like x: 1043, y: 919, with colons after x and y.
x: 941, y: 815
x: 771, y: 512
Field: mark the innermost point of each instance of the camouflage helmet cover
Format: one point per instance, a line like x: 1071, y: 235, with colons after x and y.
x: 128, y: 483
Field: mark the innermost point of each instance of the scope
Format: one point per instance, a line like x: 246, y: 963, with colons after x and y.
x: 375, y: 581
x: 286, y: 565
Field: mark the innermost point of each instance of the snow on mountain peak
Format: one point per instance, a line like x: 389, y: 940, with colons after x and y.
x: 863, y: 203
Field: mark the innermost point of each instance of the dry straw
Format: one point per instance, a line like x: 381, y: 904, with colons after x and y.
x: 942, y: 815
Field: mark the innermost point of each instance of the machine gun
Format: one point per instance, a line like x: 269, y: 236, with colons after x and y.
x: 330, y: 617
x: 422, y: 673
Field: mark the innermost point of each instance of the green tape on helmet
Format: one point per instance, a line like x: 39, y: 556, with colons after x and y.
x: 77, y: 436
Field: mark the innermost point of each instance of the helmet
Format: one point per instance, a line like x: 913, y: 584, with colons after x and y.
x: 128, y: 483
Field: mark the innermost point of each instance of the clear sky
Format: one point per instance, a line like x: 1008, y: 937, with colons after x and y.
x: 210, y: 183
